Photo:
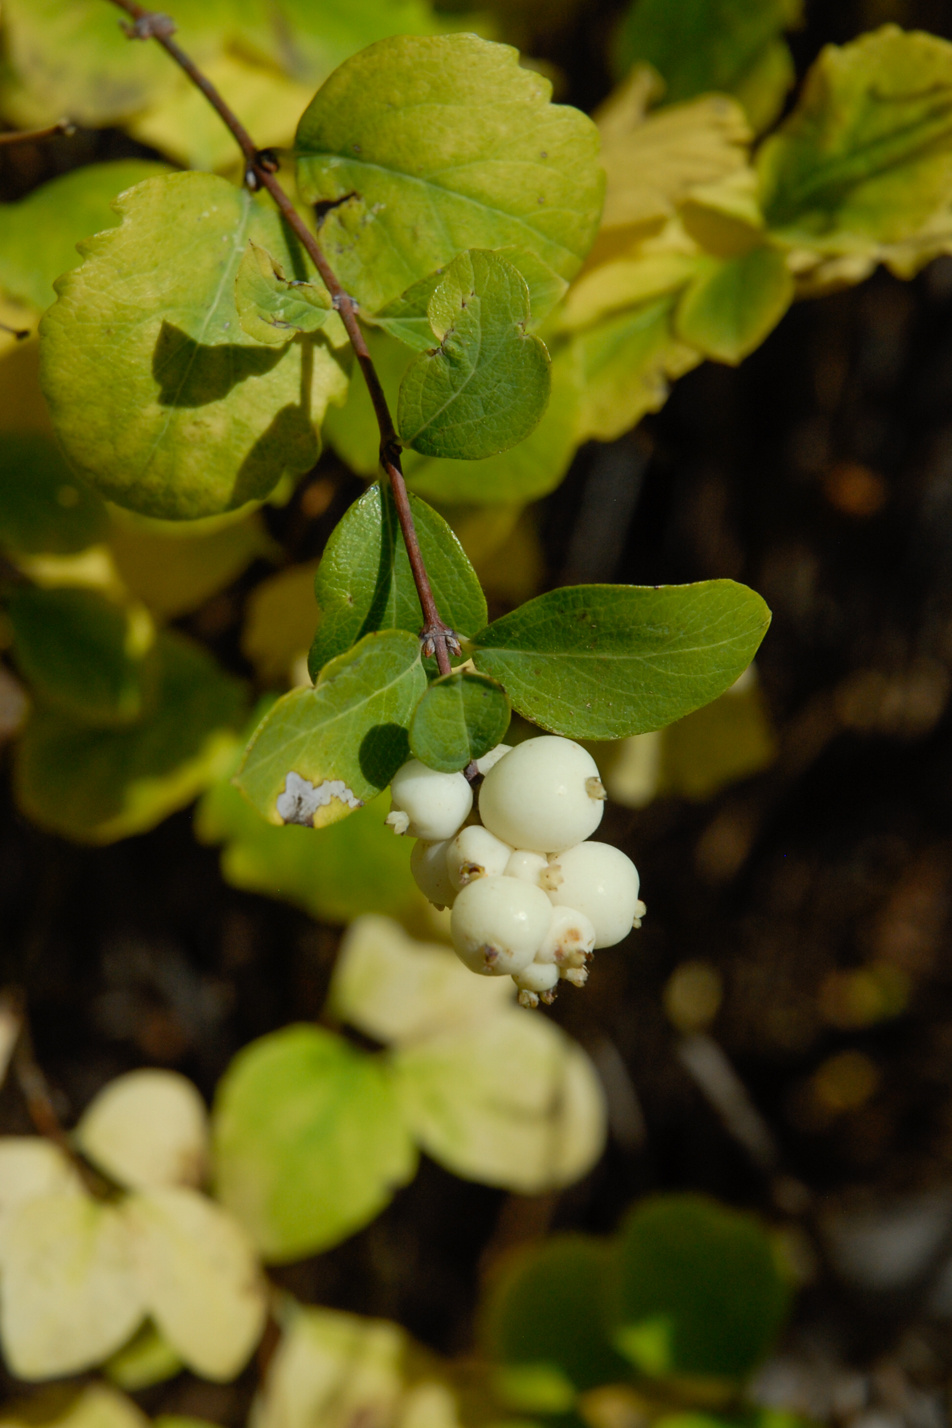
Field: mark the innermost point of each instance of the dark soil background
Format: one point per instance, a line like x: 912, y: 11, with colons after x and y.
x: 820, y: 473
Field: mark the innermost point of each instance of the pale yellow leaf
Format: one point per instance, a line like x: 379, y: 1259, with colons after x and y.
x: 198, y: 1277
x: 69, y: 1296
x: 281, y: 616
x: 402, y: 991
x: 146, y: 1128
x: 654, y: 161
x: 30, y: 1167
x: 509, y: 1100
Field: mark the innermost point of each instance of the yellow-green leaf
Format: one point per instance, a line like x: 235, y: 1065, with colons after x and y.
x: 147, y: 1128
x: 732, y: 303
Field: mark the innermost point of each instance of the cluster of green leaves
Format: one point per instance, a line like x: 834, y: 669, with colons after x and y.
x: 683, y: 1303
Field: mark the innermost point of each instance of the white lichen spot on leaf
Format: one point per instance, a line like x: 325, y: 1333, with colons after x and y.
x: 301, y: 799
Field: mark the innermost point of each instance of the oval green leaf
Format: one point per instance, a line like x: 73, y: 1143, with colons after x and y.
x: 321, y: 752
x: 364, y: 581
x: 160, y: 399
x: 460, y: 717
x: 445, y: 144
x: 698, y: 1289
x: 486, y: 385
x: 309, y: 1140
x: 605, y: 661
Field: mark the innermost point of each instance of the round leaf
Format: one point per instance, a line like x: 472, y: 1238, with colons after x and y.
x: 445, y: 144
x: 69, y: 1294
x: 198, y: 1278
x: 31, y: 1167
x: 732, y: 304
x: 537, y: 1294
x: 486, y: 385
x: 509, y: 1101
x: 147, y: 1128
x: 459, y: 717
x: 82, y: 653
x: 309, y: 1140
x: 272, y: 308
x: 698, y: 1289
x: 158, y: 396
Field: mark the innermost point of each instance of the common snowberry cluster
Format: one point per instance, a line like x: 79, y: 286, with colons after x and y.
x: 531, y: 896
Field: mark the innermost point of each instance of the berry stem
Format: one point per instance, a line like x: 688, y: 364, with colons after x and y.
x: 261, y: 167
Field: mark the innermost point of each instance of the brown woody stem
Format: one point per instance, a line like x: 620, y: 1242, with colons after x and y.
x: 32, y: 136
x: 260, y: 169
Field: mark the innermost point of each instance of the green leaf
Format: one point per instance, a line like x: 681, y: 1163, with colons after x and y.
x: 445, y: 144
x: 145, y: 1360
x: 84, y: 655
x: 866, y: 156
x: 538, y: 1293
x: 460, y: 717
x: 364, y: 581
x: 353, y: 866
x: 39, y: 233
x: 321, y: 752
x: 524, y: 472
x: 702, y: 45
x: 733, y: 303
x: 158, y: 396
x: 175, y: 566
x: 309, y: 41
x: 310, y: 1143
x: 698, y: 1289
x: 43, y: 506
x: 271, y: 307
x: 97, y: 785
x: 487, y: 384
x: 74, y: 60
x: 605, y: 661
x: 507, y: 1100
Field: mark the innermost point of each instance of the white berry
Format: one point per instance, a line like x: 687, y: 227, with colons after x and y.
x: 498, y: 923
x: 475, y: 853
x: 489, y: 760
x: 428, y: 866
x: 570, y: 939
x: 527, y: 865
x: 427, y: 804
x: 545, y: 795
x: 599, y: 881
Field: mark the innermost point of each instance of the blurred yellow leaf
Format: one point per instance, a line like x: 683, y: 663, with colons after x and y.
x: 30, y: 1167
x: 198, y: 1278
x: 93, y: 1406
x: 69, y: 1294
x: 281, y: 616
x: 175, y: 566
x: 147, y: 1128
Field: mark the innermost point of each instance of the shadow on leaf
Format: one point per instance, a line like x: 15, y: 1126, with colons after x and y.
x: 191, y: 374
x: 383, y: 749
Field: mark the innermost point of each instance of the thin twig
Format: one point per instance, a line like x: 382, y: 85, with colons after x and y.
x: 20, y: 333
x: 36, y: 1094
x: 33, y: 136
x: 260, y: 172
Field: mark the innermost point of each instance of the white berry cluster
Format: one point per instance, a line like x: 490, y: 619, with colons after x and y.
x: 530, y: 897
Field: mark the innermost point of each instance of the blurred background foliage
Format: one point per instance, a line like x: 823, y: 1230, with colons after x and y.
x: 779, y: 1039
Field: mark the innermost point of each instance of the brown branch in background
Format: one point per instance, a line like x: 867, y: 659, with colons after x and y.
x: 260, y: 169
x: 35, y: 1087
x: 33, y: 136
